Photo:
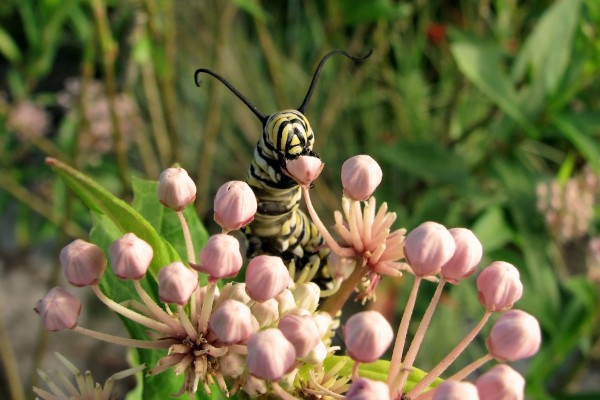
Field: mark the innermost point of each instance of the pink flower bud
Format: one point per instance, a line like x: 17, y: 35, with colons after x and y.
x: 301, y: 331
x: 428, y: 247
x: 466, y: 257
x: 231, y: 322
x: 360, y: 177
x: 304, y: 169
x: 176, y: 190
x: 220, y: 257
x: 367, y: 389
x: 501, y: 383
x: 499, y: 286
x: 307, y: 296
x: 58, y: 309
x: 454, y: 390
x: 83, y: 263
x: 514, y: 336
x: 270, y: 354
x: 130, y: 257
x: 367, y: 335
x: 176, y: 283
x: 235, y: 205
x: 266, y: 277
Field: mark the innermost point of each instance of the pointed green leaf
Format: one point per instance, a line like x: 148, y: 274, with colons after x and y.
x: 125, y: 217
x: 579, y: 137
x: 8, y: 47
x: 482, y: 64
x: 547, y: 51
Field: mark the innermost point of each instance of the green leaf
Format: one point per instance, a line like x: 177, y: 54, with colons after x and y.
x: 253, y: 9
x: 428, y: 161
x: 482, y: 65
x: 125, y: 218
x: 577, y: 134
x: 547, y: 51
x: 358, y: 11
x: 8, y: 47
x: 492, y: 229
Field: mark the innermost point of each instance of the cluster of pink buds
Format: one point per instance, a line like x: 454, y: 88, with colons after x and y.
x: 269, y: 334
x: 246, y: 336
x: 367, y: 248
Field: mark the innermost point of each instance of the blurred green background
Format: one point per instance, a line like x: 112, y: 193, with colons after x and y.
x: 483, y: 114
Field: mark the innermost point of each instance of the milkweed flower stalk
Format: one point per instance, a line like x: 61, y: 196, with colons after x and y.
x: 270, y: 333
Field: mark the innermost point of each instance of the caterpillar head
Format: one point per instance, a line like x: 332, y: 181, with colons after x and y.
x: 288, y: 132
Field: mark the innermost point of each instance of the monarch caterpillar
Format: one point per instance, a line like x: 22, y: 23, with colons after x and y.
x: 280, y: 227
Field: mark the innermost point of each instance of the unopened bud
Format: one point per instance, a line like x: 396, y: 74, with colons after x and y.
x: 360, y: 177
x: 301, y: 331
x: 220, y: 257
x: 232, y: 364
x: 231, y: 322
x: 176, y: 190
x: 58, y: 309
x: 270, y: 354
x: 176, y: 283
x: 266, y: 312
x: 501, y: 383
x: 307, y: 296
x: 266, y: 277
x: 454, y: 390
x: 428, y: 247
x: 235, y: 205
x: 130, y: 257
x: 317, y: 355
x: 235, y: 291
x: 254, y: 386
x: 286, y: 302
x: 340, y: 267
x: 466, y: 257
x: 499, y: 286
x: 83, y: 263
x: 514, y: 336
x: 304, y: 169
x: 367, y: 335
x: 368, y: 389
